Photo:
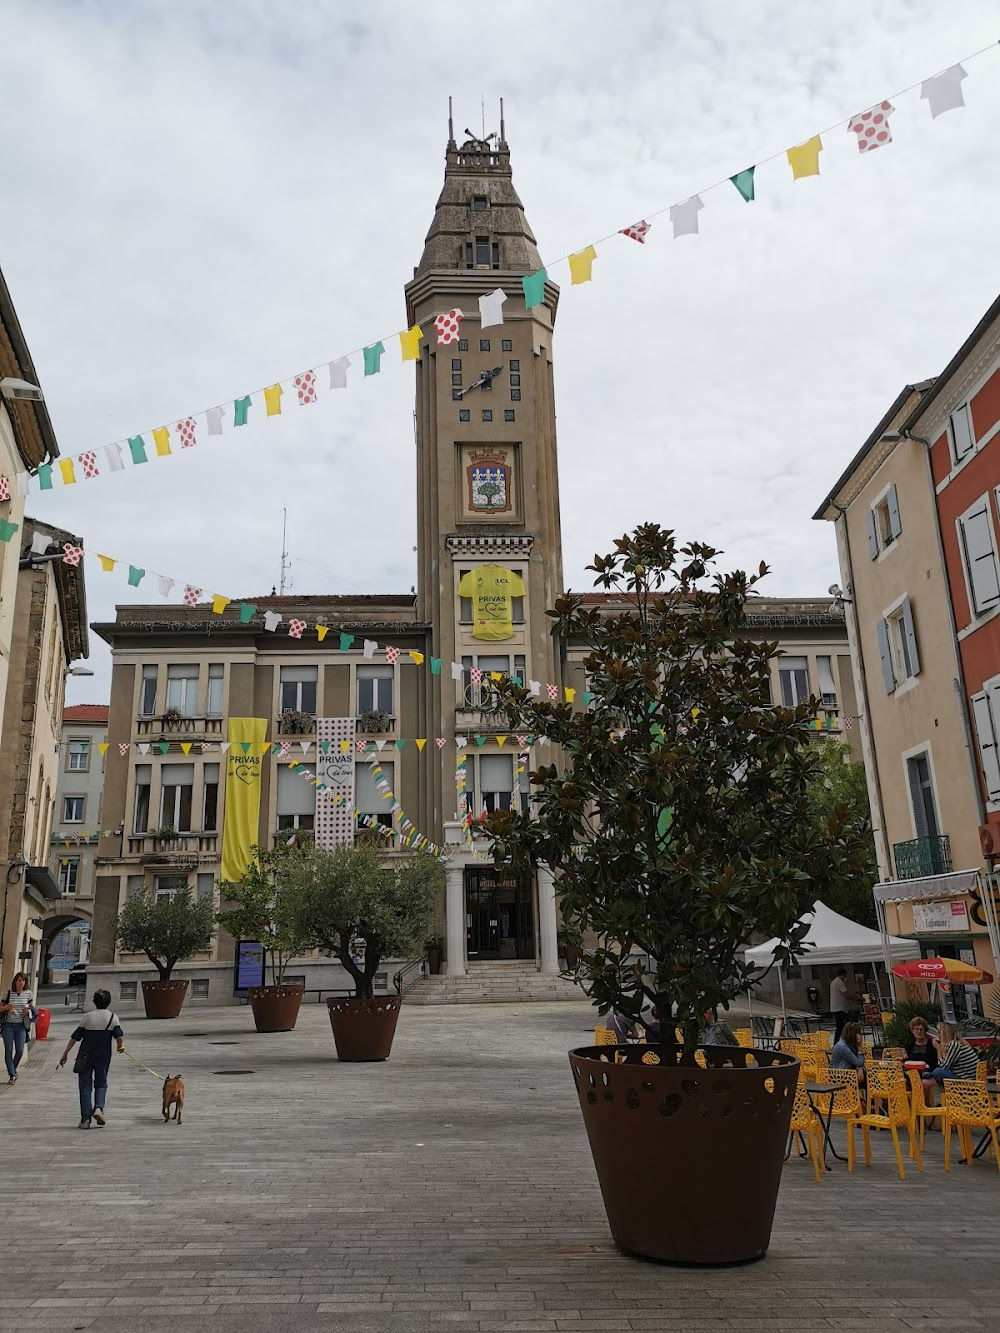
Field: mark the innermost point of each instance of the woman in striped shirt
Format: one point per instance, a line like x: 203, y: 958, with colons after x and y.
x: 956, y: 1058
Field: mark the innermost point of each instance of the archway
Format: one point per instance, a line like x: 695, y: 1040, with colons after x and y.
x: 65, y: 942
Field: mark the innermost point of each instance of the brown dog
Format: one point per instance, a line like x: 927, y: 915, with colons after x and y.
x: 173, y: 1095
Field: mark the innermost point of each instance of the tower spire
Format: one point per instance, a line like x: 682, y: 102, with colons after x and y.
x: 451, y: 125
x: 503, y: 131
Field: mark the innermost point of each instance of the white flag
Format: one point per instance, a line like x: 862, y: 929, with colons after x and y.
x: 272, y: 619
x: 338, y: 372
x: 113, y: 453
x: 491, y: 308
x: 371, y: 647
x: 214, y: 418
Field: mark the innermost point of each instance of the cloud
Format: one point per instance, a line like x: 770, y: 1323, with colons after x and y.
x: 201, y: 199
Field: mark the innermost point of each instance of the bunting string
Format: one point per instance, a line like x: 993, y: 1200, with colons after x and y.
x: 870, y: 129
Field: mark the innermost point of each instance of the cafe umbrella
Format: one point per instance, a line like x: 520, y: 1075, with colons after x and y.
x: 942, y: 969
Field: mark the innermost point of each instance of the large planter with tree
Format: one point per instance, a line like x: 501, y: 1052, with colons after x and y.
x: 261, y: 909
x: 362, y: 906
x: 167, y: 930
x: 681, y: 821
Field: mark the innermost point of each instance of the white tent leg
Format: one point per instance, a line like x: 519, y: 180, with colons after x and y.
x: 781, y: 988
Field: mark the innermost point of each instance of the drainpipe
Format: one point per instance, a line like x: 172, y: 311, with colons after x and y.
x: 868, y: 745
x: 958, y: 683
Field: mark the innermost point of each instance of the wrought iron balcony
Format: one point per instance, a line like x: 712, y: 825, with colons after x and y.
x: 171, y: 724
x: 921, y: 857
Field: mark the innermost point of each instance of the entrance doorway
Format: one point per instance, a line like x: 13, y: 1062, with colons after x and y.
x: 499, y: 920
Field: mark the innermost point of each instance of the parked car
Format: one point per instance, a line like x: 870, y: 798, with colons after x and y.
x: 78, y: 975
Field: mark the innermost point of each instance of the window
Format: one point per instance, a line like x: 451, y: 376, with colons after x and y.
x: 495, y: 254
x: 456, y: 395
x: 515, y: 381
x: 897, y: 643
x: 78, y: 756
x: 147, y: 691
x: 482, y: 250
x: 487, y: 414
x: 375, y: 689
x: 975, y: 536
x: 366, y: 797
x: 480, y: 203
x: 515, y: 395
x: 508, y: 414
x: 73, y: 807
x: 793, y: 678
x: 205, y: 886
x: 505, y: 344
x: 127, y: 990
x: 182, y: 690
x: 456, y: 363
x: 177, y: 786
x: 296, y: 800
x: 216, y: 673
x: 210, y: 801
x: 986, y: 712
x: 484, y: 344
x: 143, y: 780
x: 464, y: 415
x: 168, y: 886
x: 496, y: 781
x: 465, y: 610
x: 827, y: 686
x: 883, y: 524
x: 463, y: 344
x: 918, y: 773
x: 960, y: 431
x: 515, y: 365
x: 297, y: 690
x: 133, y: 886
x: 69, y: 873
x: 456, y: 379
x: 481, y: 694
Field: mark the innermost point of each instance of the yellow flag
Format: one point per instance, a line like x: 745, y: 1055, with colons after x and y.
x: 66, y: 468
x: 322, y: 631
x: 102, y: 746
x: 272, y: 397
x: 417, y: 657
x: 344, y: 746
x: 240, y: 830
x: 107, y: 564
x: 409, y: 343
x: 580, y: 265
x: 496, y: 675
x: 420, y: 743
x: 570, y: 694
x: 804, y: 159
x: 501, y: 740
x: 694, y: 714
x: 219, y: 603
x: 161, y: 438
x: 186, y: 746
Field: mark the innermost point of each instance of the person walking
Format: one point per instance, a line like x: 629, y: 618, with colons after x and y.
x: 839, y: 996
x: 94, y: 1058
x: 17, y: 1011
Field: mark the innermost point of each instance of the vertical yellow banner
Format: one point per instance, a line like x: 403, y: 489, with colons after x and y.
x: 243, y: 769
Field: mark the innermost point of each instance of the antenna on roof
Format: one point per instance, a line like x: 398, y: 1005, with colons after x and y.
x: 482, y: 107
x: 451, y: 127
x: 284, y: 551
x: 503, y: 131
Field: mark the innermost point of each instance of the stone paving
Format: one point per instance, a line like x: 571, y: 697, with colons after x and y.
x: 450, y: 1187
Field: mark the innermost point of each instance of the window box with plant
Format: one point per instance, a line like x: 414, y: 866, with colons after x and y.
x: 168, y: 929
x: 680, y: 822
x: 294, y: 723
x: 374, y: 720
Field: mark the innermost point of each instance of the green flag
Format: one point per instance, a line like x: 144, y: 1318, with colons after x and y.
x: 345, y: 642
x: 743, y: 180
x: 7, y: 529
x: 247, y: 612
x: 241, y: 406
x: 45, y: 476
x: 135, y: 576
x: 373, y: 357
x: 400, y: 744
x: 436, y: 666
x: 534, y: 288
x: 164, y: 747
x: 137, y: 447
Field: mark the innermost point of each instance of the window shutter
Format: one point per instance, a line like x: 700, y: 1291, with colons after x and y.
x: 206, y: 886
x: 980, y: 557
x: 895, y: 527
x: 917, y: 796
x: 872, y: 534
x: 986, y: 735
x: 911, y: 638
x: 888, y: 675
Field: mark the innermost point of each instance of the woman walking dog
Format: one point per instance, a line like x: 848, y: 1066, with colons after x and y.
x: 94, y: 1057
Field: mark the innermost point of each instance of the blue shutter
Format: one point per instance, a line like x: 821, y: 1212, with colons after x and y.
x: 895, y: 527
x: 911, y: 638
x: 872, y: 535
x: 888, y: 675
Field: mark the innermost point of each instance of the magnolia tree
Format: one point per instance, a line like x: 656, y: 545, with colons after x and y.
x: 681, y: 820
x: 262, y: 907
x: 362, y: 906
x: 167, y: 929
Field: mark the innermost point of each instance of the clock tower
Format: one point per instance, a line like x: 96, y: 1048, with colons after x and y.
x: 488, y: 534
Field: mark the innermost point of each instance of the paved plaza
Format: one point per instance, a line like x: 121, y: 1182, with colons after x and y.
x: 450, y: 1187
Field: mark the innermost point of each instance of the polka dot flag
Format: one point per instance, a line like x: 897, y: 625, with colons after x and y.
x: 447, y: 327
x: 872, y: 127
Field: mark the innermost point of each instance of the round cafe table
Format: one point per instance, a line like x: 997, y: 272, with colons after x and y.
x: 829, y: 1090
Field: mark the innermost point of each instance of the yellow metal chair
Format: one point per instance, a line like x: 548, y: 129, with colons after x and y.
x: 967, y: 1106
x: 790, y: 1046
x: 880, y: 1077
x: 804, y: 1122
x: 847, y: 1099
x: 919, y: 1110
x: 823, y: 1040
x: 744, y: 1036
x: 605, y: 1037
x: 897, y: 1117
x: 982, y: 1073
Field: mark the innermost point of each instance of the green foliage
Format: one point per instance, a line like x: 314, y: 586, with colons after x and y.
x: 682, y: 821
x: 355, y: 899
x: 840, y: 781
x: 263, y: 908
x: 167, y: 931
x: 897, y: 1031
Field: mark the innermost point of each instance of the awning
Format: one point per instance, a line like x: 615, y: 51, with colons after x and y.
x: 39, y: 878
x: 953, y: 885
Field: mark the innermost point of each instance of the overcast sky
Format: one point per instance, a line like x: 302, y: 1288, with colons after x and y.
x: 198, y: 199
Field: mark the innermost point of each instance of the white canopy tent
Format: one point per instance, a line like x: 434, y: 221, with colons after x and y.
x: 832, y: 938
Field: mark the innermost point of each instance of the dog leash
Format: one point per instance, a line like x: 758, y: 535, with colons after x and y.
x: 158, y: 1077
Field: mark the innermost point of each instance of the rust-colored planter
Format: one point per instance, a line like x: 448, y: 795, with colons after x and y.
x: 163, y: 999
x: 275, y: 1008
x: 364, y: 1029
x: 688, y: 1159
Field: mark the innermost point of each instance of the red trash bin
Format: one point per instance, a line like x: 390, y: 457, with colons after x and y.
x: 42, y: 1024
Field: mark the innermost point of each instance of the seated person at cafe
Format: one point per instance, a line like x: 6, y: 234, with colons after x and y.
x: 717, y: 1031
x: 920, y: 1047
x: 849, y: 1051
x: 956, y: 1058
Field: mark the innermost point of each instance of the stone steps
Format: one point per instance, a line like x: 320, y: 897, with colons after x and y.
x: 494, y: 983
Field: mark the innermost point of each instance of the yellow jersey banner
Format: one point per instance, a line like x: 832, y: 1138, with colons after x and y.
x: 243, y: 769
x: 491, y: 588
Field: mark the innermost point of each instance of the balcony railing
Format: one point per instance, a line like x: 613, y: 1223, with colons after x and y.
x: 921, y: 857
x: 168, y: 725
x: 373, y: 721
x: 140, y: 844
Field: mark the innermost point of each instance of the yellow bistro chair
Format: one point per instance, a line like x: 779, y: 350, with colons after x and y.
x: 919, y: 1110
x: 881, y: 1076
x: 982, y: 1073
x: 804, y: 1122
x: 897, y: 1116
x: 847, y: 1099
x: 744, y: 1036
x: 605, y: 1037
x: 967, y: 1106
